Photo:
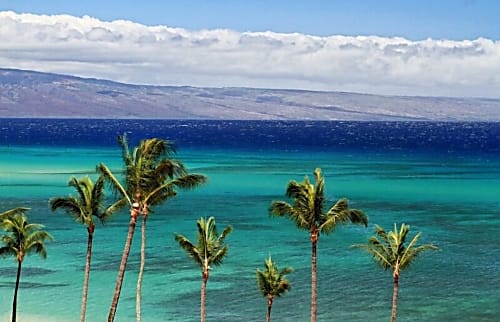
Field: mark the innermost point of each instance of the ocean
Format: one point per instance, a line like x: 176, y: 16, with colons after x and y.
x: 443, y: 179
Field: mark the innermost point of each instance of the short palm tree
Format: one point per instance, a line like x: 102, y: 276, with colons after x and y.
x: 150, y: 179
x: 21, y: 238
x: 88, y: 204
x: 307, y: 212
x: 272, y: 283
x: 209, y: 251
x: 390, y: 252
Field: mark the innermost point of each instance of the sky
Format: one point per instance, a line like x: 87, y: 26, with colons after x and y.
x: 387, y: 47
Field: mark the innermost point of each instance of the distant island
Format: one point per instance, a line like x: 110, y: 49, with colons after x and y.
x: 30, y: 94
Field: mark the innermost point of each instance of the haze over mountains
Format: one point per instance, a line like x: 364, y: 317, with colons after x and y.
x: 32, y: 94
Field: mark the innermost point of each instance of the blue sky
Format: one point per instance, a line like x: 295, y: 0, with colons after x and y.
x: 420, y: 47
x: 415, y: 20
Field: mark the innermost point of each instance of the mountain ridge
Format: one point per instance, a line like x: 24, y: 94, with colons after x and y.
x: 25, y: 94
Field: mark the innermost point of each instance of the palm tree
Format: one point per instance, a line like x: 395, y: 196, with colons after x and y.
x: 209, y: 251
x: 20, y: 239
x: 389, y: 251
x: 83, y: 209
x: 150, y: 179
x: 307, y: 213
x: 272, y: 283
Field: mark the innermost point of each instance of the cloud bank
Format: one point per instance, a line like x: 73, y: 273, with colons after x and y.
x: 133, y: 53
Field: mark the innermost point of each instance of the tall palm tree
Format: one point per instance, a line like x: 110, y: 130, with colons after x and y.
x: 308, y: 214
x: 21, y: 238
x: 88, y: 204
x: 272, y: 283
x: 209, y: 251
x: 389, y: 251
x: 150, y: 178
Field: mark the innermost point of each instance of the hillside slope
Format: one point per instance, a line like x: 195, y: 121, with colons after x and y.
x: 44, y: 95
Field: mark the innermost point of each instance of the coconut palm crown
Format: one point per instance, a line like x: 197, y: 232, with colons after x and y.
x: 88, y: 204
x: 272, y: 282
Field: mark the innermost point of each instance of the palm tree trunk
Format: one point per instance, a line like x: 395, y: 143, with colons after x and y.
x: 203, y: 296
x: 395, y: 296
x: 90, y: 230
x: 314, y: 239
x: 14, y: 302
x: 269, y: 307
x: 121, y: 272
x: 141, y: 268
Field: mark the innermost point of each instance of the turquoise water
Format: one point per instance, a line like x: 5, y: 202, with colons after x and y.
x: 452, y: 200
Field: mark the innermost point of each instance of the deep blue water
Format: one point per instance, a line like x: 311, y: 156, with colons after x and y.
x: 442, y: 137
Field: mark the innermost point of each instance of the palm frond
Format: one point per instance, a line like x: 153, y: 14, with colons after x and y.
x: 166, y: 190
x: 357, y: 216
x: 216, y: 258
x: 96, y: 196
x: 295, y: 189
x: 340, y: 213
x: 81, y: 187
x: 284, y: 209
x: 189, y: 248
x: 153, y: 149
x: 7, y: 251
x: 123, y: 142
x: 189, y: 181
x: 114, y: 182
x: 280, y: 209
x: 71, y: 206
x: 171, y: 168
x: 378, y: 251
x: 224, y: 234
x: 34, y: 242
x: 14, y: 211
x: 112, y: 209
x: 319, y: 191
x: 412, y: 251
x: 303, y: 195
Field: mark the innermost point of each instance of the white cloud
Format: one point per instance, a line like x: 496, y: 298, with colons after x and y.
x: 134, y: 53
